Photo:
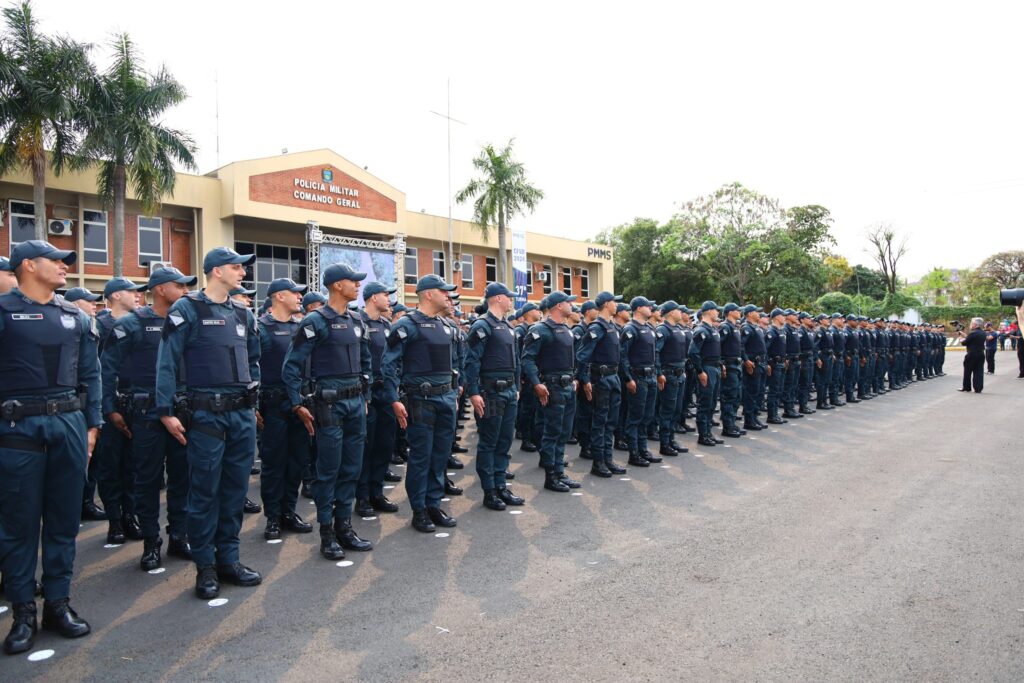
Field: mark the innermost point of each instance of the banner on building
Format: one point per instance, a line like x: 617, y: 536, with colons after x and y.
x: 520, y: 266
x: 379, y: 266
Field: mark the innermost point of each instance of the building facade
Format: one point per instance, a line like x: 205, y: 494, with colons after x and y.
x: 297, y: 212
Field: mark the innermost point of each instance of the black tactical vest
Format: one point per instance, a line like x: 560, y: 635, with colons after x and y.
x: 673, y: 351
x: 339, y: 356
x: 378, y: 331
x: 431, y: 352
x: 558, y: 355
x: 40, y: 345
x: 141, y: 362
x: 500, y: 353
x: 641, y: 351
x: 279, y: 334
x: 218, y: 356
x: 607, y: 350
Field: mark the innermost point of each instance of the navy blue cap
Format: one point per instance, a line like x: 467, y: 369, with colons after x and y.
x: 5, y: 264
x: 341, y: 271
x: 850, y: 316
x: 161, y: 276
x: 544, y: 305
x: 802, y: 315
x: 120, y: 284
x: 730, y: 307
x: 587, y: 306
x: 433, y: 282
x: 577, y: 309
x: 372, y: 288
x: 555, y: 298
x: 620, y: 307
x: 284, y: 284
x: 686, y: 309
x: 31, y: 249
x: 496, y: 288
x: 820, y: 317
x: 399, y: 308
x: 222, y: 256
x: 777, y: 311
x: 638, y: 301
x: 241, y: 290
x: 708, y: 306
x: 788, y: 312
x: 79, y: 293
x: 480, y: 309
x: 605, y: 297
x: 836, y: 316
x: 527, y: 307
x: 668, y: 306
x: 312, y: 297
x: 751, y: 308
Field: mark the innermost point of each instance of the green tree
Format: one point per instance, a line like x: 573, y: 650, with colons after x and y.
x: 499, y: 194
x: 837, y: 271
x: 835, y: 302
x: 865, y: 281
x: 1005, y: 269
x: 42, y: 84
x: 641, y: 267
x: 124, y: 135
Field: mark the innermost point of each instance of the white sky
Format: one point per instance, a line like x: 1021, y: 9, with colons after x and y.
x: 903, y: 112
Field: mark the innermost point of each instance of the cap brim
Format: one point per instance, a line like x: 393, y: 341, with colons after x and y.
x: 68, y: 257
x: 449, y: 288
x: 243, y: 259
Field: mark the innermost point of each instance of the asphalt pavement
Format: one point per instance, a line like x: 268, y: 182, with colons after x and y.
x: 881, y: 541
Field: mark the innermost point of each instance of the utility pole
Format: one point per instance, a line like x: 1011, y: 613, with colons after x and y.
x: 448, y: 117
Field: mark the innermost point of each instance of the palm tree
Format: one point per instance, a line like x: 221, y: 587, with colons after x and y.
x: 500, y: 193
x: 42, y: 83
x: 125, y: 138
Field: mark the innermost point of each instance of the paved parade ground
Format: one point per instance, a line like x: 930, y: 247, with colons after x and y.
x: 881, y: 541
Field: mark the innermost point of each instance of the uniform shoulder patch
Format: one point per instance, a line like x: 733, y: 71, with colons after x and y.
x: 402, y: 333
x: 309, y: 331
x: 119, y: 333
x: 629, y: 334
x: 480, y: 332
x: 176, y: 319
x: 593, y: 334
x: 535, y: 335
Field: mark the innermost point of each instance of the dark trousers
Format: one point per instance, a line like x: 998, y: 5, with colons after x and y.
x: 40, y: 491
x: 221, y: 448
x: 113, y: 471
x: 640, y: 412
x: 974, y: 373
x: 430, y: 433
x: 154, y: 450
x: 707, y: 394
x: 284, y: 452
x: 495, y: 433
x: 339, y: 458
x: 751, y: 391
x: 731, y: 388
x: 776, y: 386
x: 381, y: 425
x: 822, y: 377
x: 558, y: 415
x: 850, y: 377
x: 990, y: 359
x: 1020, y: 358
x: 806, y: 380
x: 607, y: 394
x: 668, y: 404
x: 792, y: 377
x: 584, y: 418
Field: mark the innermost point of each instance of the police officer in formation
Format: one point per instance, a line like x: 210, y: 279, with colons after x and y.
x: 704, y: 360
x: 671, y: 348
x: 755, y: 366
x: 641, y: 378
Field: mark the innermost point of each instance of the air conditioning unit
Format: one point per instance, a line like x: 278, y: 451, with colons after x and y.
x: 543, y: 275
x: 155, y: 265
x: 59, y: 227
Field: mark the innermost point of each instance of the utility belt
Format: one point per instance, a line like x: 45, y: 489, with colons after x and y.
x: 714, y: 360
x: 15, y: 409
x: 778, y: 359
x: 793, y: 356
x: 563, y: 380
x: 321, y: 403
x: 135, y: 404
x: 272, y: 398
x: 643, y: 370
x: 804, y: 355
x: 603, y: 370
x: 674, y: 370
x: 224, y: 403
x: 732, y: 361
x: 426, y: 389
x: 377, y: 385
x: 758, y: 359
x: 496, y: 384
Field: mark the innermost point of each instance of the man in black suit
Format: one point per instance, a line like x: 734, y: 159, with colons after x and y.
x: 974, y: 359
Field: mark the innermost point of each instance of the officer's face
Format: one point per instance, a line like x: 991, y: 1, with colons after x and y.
x: 243, y: 299
x: 8, y: 281
x: 88, y: 306
x: 128, y: 300
x: 313, y: 305
x: 170, y: 291
x: 292, y: 301
x: 48, y: 271
x: 643, y: 312
x: 349, y: 289
x: 230, y: 274
x: 778, y: 320
x: 501, y: 302
x: 753, y: 317
x: 733, y: 316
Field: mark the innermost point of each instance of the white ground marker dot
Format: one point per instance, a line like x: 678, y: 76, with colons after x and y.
x: 112, y: 545
x: 40, y: 655
x: 577, y: 493
x: 698, y: 455
x: 666, y: 467
x: 274, y: 541
x: 515, y: 512
x: 446, y: 500
x: 345, y: 563
x: 217, y: 602
x: 369, y: 519
x: 158, y: 570
x: 3, y: 608
x: 624, y: 479
x: 441, y: 534
x: 390, y: 486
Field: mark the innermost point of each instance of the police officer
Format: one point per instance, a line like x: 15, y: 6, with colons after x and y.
x: 826, y: 356
x: 584, y: 407
x: 113, y: 461
x: 775, y: 339
x: 8, y: 280
x: 129, y: 403
x: 622, y: 318
x: 809, y: 361
x: 670, y: 349
x: 529, y: 430
x: 284, y: 444
x: 851, y: 358
x: 597, y: 363
x: 492, y: 375
x: 705, y: 361
x: 755, y: 364
x: 419, y: 359
x: 792, y: 365
x: 836, y: 390
x: 687, y: 388
x: 331, y: 346
x: 312, y: 301
x: 733, y: 359
x: 48, y: 428
x: 381, y: 424
x: 640, y: 374
x: 214, y: 340
x: 549, y: 369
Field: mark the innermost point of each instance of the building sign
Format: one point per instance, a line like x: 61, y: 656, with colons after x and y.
x: 519, y: 266
x: 322, y: 188
x: 599, y: 252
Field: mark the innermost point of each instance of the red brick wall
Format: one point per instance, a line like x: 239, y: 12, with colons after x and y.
x: 279, y: 188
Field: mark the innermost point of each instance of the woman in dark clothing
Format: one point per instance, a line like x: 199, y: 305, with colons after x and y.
x: 974, y: 359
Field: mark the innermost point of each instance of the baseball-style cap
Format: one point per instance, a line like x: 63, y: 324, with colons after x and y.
x: 751, y: 308
x: 241, y: 290
x: 120, y: 284
x: 5, y: 264
x: 222, y: 256
x: 605, y: 297
x: 527, y: 307
x: 802, y: 315
x: 730, y: 307
x: 850, y: 316
x: 836, y: 316
x: 312, y: 297
x: 495, y: 289
x: 620, y: 307
x: 820, y: 317
x: 555, y: 298
x: 399, y: 308
x: 587, y: 306
x: 777, y: 312
x: 81, y: 294
x: 788, y: 312
x: 668, y: 306
x: 638, y: 301
x: 433, y: 282
x: 373, y: 288
x: 708, y: 306
x: 31, y: 249
x: 284, y: 284
x: 340, y: 271
x: 161, y: 276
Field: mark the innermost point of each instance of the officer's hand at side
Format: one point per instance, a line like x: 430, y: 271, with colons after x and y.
x: 631, y: 385
x: 117, y: 419
x: 818, y: 362
x: 174, y: 428
x: 259, y: 420
x: 542, y: 393
x: 769, y: 369
x: 588, y: 391
x: 661, y: 382
x: 401, y: 413
x: 725, y: 371
x: 478, y: 404
x: 703, y: 377
x: 307, y: 418
x: 749, y: 365
x: 91, y: 436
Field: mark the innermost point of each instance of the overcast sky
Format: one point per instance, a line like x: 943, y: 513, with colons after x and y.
x: 909, y: 113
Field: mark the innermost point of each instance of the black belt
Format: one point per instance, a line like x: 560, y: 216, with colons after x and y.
x: 335, y: 395
x: 223, y: 403
x: 805, y: 354
x: 732, y: 359
x: 427, y: 389
x: 711, y: 361
x: 644, y: 371
x: 378, y: 385
x: 273, y: 393
x: 15, y: 409
x: 495, y: 384
x: 778, y: 359
x: 757, y: 359
x: 560, y: 379
x: 675, y: 371
x: 604, y: 370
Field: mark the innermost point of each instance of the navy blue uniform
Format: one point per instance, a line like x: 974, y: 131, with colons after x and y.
x: 112, y: 462
x: 826, y: 354
x: 493, y: 372
x: 705, y: 356
x: 381, y: 423
x: 775, y: 339
x: 852, y: 362
x: 839, y: 367
x: 49, y: 355
x: 808, y: 361
x: 584, y: 408
x: 548, y: 359
x: 217, y: 346
x: 732, y: 360
x: 639, y: 363
x: 755, y: 351
x: 671, y: 347
x: 792, y: 368
x: 598, y: 364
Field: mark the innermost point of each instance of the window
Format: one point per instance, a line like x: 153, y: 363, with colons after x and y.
x: 272, y: 261
x: 439, y: 263
x: 467, y: 271
x: 547, y: 279
x: 23, y: 222
x: 95, y: 231
x: 412, y: 266
x: 529, y: 279
x: 492, y: 269
x: 584, y: 283
x: 567, y: 280
x: 151, y: 240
